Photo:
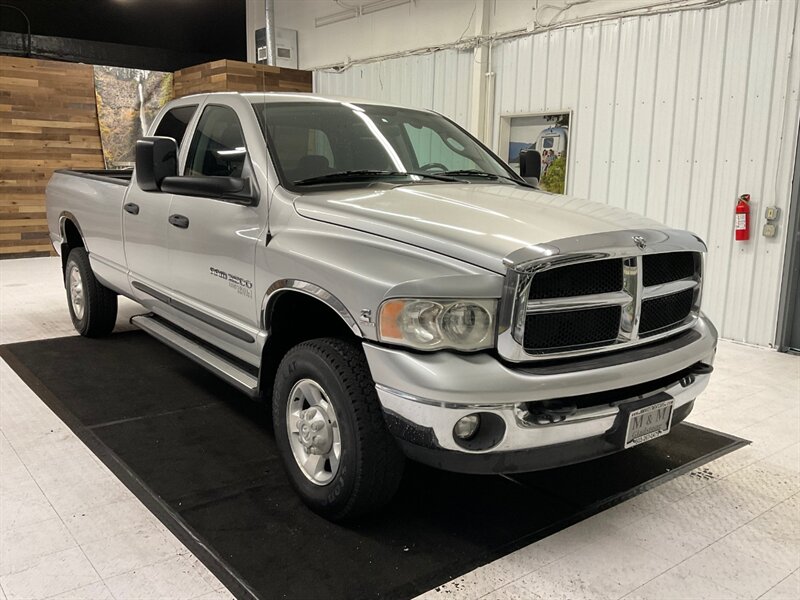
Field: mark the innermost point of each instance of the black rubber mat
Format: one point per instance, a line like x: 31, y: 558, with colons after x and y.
x: 203, y: 459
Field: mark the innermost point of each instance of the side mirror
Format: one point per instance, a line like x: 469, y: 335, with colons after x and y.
x: 530, y: 165
x: 156, y: 158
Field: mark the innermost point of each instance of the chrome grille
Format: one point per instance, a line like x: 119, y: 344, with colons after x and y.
x: 568, y: 303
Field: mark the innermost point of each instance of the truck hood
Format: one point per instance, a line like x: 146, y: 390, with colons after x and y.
x: 476, y: 223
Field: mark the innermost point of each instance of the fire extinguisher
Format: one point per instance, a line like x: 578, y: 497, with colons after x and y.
x: 742, y: 224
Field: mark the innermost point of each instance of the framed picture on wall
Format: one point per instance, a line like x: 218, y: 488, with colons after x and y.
x: 548, y: 134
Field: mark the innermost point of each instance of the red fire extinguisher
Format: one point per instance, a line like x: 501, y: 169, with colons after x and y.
x: 742, y: 224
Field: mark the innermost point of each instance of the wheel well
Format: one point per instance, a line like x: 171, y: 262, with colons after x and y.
x: 72, y: 239
x: 295, y: 317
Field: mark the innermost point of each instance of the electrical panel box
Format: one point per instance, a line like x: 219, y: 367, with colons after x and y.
x: 285, y: 47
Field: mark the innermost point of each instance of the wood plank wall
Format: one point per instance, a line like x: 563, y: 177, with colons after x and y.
x: 48, y: 121
x: 235, y: 76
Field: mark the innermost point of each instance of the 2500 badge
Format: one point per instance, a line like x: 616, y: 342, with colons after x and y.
x: 240, y: 284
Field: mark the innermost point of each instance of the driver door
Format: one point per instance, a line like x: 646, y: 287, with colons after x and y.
x: 212, y: 241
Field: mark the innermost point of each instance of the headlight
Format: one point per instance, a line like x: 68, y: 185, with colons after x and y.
x: 435, y: 324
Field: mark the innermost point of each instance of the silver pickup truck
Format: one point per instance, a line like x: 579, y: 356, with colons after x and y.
x: 391, y: 287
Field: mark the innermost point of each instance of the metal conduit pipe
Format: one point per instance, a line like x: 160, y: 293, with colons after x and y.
x: 269, y: 32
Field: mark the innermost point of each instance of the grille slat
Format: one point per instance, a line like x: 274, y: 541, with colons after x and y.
x: 584, y: 328
x: 665, y: 311
x: 663, y: 268
x: 582, y: 279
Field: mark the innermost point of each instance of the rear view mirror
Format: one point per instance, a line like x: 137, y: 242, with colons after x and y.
x: 530, y: 165
x: 156, y: 158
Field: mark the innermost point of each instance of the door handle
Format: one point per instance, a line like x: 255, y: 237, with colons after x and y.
x: 179, y: 221
x: 131, y: 208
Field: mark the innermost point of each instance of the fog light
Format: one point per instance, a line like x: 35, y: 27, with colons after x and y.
x: 467, y: 427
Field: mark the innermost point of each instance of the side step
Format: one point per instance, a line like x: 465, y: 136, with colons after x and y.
x: 233, y: 374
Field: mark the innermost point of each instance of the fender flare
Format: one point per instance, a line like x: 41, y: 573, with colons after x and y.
x: 62, y: 220
x: 282, y: 286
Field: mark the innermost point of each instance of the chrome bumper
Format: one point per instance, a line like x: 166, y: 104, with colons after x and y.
x: 432, y: 391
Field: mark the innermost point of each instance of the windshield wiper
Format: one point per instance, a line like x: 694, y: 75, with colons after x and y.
x: 368, y: 174
x: 477, y: 173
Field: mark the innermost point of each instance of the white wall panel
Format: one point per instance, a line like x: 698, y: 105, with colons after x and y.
x: 674, y: 116
x: 440, y: 81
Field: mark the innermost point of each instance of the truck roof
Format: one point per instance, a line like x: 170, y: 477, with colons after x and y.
x: 254, y: 97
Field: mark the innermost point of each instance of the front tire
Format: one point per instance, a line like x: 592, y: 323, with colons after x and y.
x: 329, y: 428
x: 92, y: 306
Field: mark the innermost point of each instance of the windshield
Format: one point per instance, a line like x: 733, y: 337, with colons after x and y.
x: 324, y: 143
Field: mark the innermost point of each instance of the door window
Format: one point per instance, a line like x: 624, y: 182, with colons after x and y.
x: 217, y: 148
x: 174, y: 123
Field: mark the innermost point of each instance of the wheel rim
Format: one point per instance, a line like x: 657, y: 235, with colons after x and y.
x: 76, y: 297
x: 314, y: 434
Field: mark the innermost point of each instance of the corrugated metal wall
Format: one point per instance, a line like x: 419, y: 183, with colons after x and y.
x: 440, y: 81
x: 674, y: 116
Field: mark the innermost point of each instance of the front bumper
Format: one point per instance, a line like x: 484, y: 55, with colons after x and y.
x: 423, y: 395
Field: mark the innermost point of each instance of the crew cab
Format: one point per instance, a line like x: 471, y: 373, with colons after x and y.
x: 391, y: 287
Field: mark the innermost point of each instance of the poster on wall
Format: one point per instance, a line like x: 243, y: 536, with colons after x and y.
x: 127, y: 102
x: 549, y: 135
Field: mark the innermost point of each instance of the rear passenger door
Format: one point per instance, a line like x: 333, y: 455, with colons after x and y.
x: 212, y: 249
x: 145, y: 218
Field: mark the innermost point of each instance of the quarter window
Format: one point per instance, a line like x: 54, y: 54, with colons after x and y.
x: 217, y: 147
x: 174, y: 123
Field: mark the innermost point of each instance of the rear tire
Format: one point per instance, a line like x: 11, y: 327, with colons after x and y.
x: 332, y: 377
x: 92, y: 306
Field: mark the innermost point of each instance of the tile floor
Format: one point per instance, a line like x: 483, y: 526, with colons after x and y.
x: 69, y: 529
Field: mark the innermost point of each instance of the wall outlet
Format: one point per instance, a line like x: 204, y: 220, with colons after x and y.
x: 769, y: 230
x: 772, y: 213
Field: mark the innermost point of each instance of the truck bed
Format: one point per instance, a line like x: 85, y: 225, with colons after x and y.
x: 92, y: 200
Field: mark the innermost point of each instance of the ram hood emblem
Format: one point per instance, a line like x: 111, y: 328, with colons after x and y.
x: 640, y: 242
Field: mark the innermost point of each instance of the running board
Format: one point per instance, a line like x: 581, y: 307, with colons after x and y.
x: 233, y: 374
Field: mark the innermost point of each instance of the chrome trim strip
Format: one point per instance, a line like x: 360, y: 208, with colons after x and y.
x: 577, y: 302
x: 671, y: 287
x: 632, y: 284
x: 310, y: 289
x: 628, y: 245
x: 597, y: 246
x: 428, y: 402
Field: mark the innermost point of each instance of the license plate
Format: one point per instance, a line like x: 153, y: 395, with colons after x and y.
x: 649, y: 423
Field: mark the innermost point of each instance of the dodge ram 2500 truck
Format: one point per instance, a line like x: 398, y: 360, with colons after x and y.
x: 391, y: 287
